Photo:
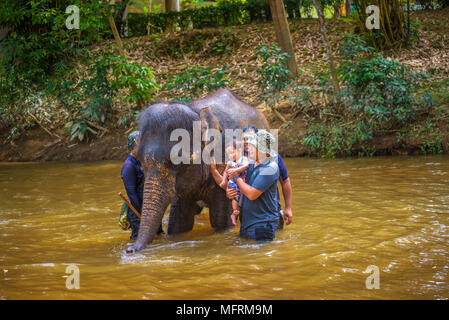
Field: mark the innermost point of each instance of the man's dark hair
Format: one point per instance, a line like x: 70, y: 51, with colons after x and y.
x: 250, y: 128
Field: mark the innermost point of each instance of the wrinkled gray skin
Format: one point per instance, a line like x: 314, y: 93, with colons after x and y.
x: 186, y: 186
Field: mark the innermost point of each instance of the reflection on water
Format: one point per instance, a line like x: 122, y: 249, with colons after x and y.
x: 348, y: 214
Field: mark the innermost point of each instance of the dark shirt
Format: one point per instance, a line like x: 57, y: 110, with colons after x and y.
x: 283, y: 175
x: 133, y: 179
x: 265, y: 208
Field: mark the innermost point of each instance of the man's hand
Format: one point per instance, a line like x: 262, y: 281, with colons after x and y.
x: 232, y: 173
x: 231, y: 193
x: 288, y: 216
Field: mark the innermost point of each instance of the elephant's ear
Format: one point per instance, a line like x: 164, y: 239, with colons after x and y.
x: 208, y: 120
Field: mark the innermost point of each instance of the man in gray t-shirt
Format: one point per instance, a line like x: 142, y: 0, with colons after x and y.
x: 284, y: 180
x: 259, y: 206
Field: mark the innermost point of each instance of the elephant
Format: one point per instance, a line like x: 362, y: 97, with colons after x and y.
x: 187, y: 187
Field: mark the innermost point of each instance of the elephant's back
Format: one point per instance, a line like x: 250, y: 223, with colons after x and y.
x: 231, y: 112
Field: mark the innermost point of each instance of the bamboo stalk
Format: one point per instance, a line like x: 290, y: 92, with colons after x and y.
x: 117, y: 38
x: 96, y: 126
x: 387, y: 17
x: 408, y: 20
x: 326, y: 45
x: 40, y: 124
x: 392, y: 22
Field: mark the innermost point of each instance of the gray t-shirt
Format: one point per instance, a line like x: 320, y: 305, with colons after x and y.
x: 265, y: 208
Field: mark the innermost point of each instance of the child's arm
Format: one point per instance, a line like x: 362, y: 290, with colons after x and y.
x: 237, y: 171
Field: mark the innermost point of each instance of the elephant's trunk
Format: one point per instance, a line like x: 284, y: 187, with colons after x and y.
x: 157, y: 194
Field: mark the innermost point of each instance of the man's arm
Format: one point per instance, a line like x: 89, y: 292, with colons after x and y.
x: 286, y: 190
x: 218, y: 178
x: 287, y: 193
x: 250, y: 192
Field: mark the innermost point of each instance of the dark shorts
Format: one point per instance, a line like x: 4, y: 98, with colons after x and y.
x: 263, y: 231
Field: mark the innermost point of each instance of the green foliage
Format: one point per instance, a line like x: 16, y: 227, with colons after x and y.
x: 274, y: 73
x: 443, y: 3
x: 139, y: 80
x: 294, y: 8
x: 38, y: 45
x: 209, y: 42
x: 31, y: 106
x: 258, y: 10
x: 378, y: 95
x: 328, y: 139
x: 413, y: 36
x: 89, y: 101
x: 431, y: 138
x: 137, y: 24
x: 434, y: 3
x: 39, y: 37
x: 381, y: 89
x: 225, y: 13
x: 224, y: 44
x: 194, y: 80
x: 441, y: 89
x: 428, y: 135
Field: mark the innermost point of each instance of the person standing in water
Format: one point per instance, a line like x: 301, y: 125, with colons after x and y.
x: 260, y: 210
x: 286, y: 214
x: 284, y: 180
x: 133, y: 180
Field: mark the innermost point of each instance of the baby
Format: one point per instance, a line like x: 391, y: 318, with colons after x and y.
x: 237, y: 163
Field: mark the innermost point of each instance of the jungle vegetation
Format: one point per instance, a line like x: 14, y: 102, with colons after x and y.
x: 82, y: 83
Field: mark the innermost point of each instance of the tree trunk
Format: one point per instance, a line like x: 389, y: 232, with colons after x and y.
x: 337, y: 10
x: 326, y: 45
x: 348, y: 8
x: 408, y: 20
x: 283, y: 33
x: 117, y: 38
x: 124, y: 25
x: 177, y: 5
x: 392, y: 22
x: 169, y: 5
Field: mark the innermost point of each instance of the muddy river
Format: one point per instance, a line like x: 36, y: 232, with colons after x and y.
x: 391, y: 213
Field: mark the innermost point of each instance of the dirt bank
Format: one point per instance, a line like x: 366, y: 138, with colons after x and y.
x: 37, y: 145
x: 169, y: 53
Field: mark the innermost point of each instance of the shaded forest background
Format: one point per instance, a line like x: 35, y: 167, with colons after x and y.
x: 74, y: 94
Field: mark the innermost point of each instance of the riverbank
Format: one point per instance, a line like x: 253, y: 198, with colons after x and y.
x: 37, y: 145
x: 168, y: 54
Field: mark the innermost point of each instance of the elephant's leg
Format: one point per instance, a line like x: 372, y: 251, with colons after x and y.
x: 182, y: 216
x: 220, y: 209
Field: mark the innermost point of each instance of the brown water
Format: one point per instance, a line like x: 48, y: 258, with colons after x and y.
x: 348, y: 214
